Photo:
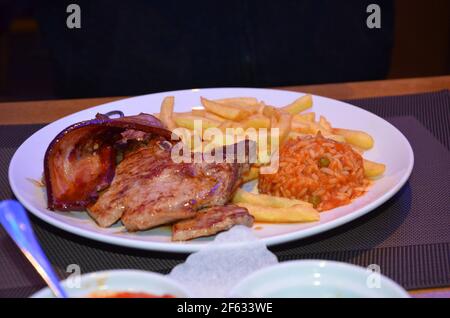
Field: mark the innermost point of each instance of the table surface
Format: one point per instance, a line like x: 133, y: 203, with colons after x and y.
x: 38, y: 112
x: 45, y: 111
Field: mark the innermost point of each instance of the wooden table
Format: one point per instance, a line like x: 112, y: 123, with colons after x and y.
x: 37, y: 112
x: 46, y: 111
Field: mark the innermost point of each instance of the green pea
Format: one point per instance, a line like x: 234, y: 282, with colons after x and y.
x: 324, y: 162
x: 315, y: 200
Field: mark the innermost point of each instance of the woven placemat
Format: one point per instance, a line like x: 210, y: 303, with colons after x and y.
x: 408, y: 237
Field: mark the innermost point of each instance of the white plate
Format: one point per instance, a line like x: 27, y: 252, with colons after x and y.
x: 391, y: 148
x: 317, y: 279
x: 118, y: 281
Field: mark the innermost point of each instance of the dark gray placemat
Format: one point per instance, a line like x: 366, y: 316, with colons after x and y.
x: 408, y: 236
x: 431, y: 109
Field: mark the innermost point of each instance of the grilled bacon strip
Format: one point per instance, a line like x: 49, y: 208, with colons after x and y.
x: 81, y: 159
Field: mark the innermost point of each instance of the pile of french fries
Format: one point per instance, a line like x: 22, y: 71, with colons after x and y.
x: 292, y: 121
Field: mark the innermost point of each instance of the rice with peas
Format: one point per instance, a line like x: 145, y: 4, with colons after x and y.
x: 318, y: 170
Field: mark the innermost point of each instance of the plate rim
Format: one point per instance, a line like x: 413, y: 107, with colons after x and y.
x: 190, y: 247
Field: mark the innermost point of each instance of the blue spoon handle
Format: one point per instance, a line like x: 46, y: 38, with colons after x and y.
x: 15, y: 221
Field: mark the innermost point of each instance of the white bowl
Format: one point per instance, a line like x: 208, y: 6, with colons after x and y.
x: 119, y: 281
x: 315, y: 278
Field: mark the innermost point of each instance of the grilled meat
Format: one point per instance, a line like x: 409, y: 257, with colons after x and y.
x: 211, y: 221
x: 149, y: 189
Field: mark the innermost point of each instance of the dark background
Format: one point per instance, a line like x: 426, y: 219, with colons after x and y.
x: 135, y: 47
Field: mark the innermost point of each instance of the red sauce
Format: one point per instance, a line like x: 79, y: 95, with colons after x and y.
x: 129, y: 295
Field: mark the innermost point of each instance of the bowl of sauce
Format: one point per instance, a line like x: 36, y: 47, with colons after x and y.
x: 119, y: 284
x: 317, y: 279
x: 128, y: 295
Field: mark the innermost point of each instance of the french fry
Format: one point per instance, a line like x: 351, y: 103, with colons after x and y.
x: 225, y: 111
x: 262, y: 105
x: 166, y: 113
x: 293, y: 214
x: 302, y: 127
x: 250, y: 175
x: 181, y: 114
x: 213, y: 116
x: 310, y: 117
x: 206, y: 114
x: 299, y: 105
x: 269, y: 111
x: 334, y: 137
x: 284, y: 123
x: 230, y: 124
x: 239, y: 101
x: 261, y: 108
x: 188, y: 121
x: 256, y: 121
x: 247, y: 103
x: 355, y: 137
x: 242, y: 196
x: 226, y: 124
x: 198, y: 111
x: 373, y: 169
x: 306, y: 127
x: 325, y: 124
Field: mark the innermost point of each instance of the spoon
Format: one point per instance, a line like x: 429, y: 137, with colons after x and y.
x: 15, y: 221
